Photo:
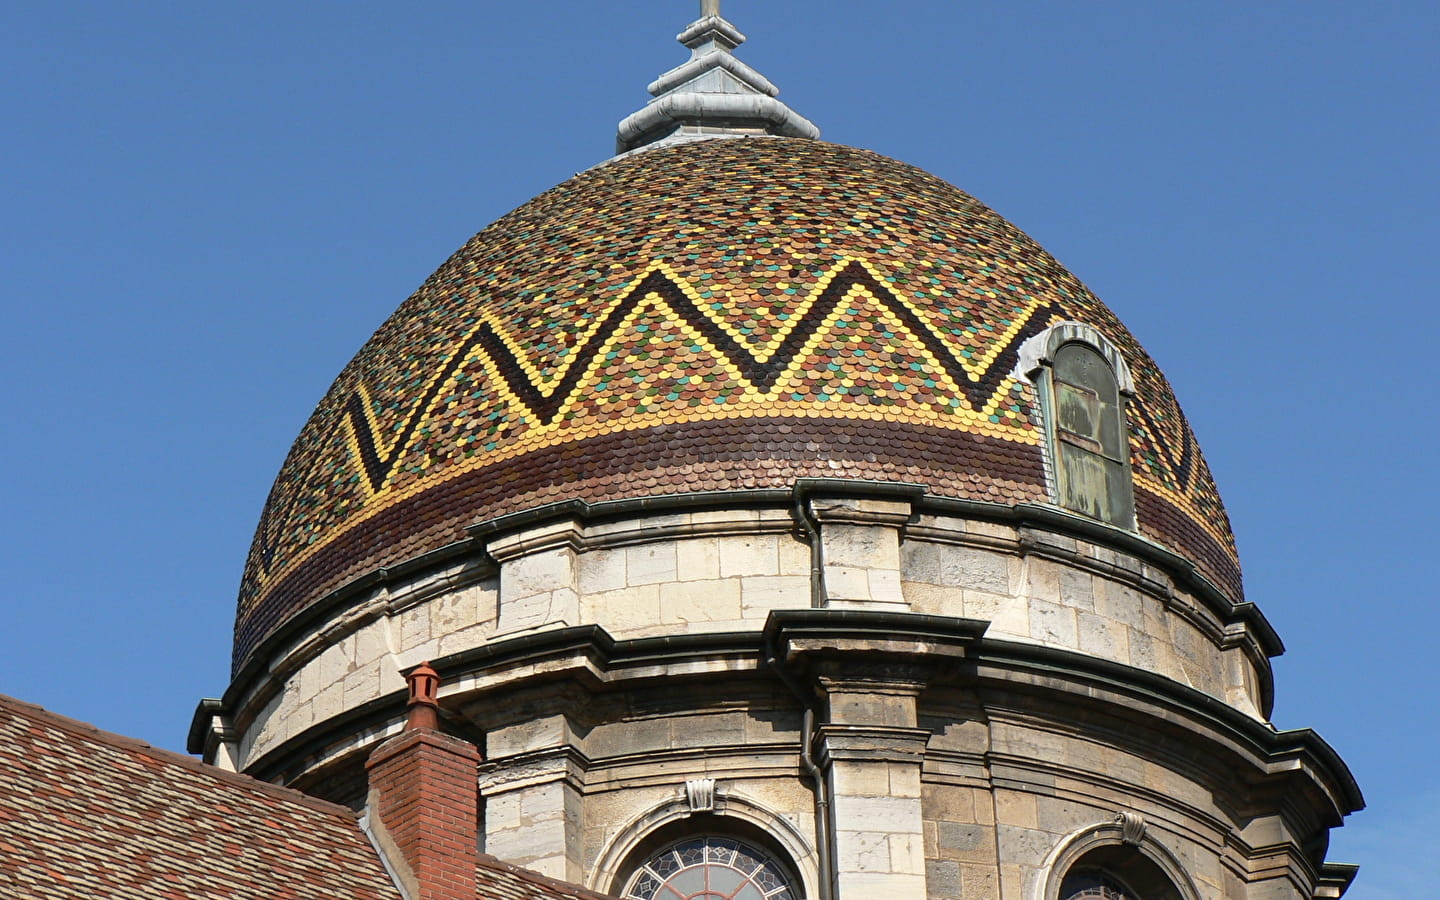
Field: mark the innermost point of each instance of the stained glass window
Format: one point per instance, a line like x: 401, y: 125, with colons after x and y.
x: 710, y: 868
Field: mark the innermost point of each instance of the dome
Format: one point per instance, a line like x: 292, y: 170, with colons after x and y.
x: 715, y: 315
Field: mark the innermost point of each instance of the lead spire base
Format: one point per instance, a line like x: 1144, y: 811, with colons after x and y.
x: 712, y: 95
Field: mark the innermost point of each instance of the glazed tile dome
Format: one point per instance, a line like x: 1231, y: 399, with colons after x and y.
x: 706, y: 316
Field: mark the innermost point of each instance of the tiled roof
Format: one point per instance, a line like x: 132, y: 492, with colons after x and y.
x: 501, y: 881
x: 709, y: 316
x: 85, y: 813
x: 89, y: 814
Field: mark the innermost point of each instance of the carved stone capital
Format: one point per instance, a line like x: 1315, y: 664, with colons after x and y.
x: 856, y: 743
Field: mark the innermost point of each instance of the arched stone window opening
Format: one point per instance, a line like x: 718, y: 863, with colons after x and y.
x: 1117, y: 873
x: 1083, y: 384
x: 1095, y: 884
x: 712, y: 866
x: 742, y: 834
x: 1117, y: 860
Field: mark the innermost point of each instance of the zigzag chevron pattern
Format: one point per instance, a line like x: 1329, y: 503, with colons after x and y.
x: 801, y: 283
x: 978, y: 387
x: 763, y: 372
x: 1180, y: 468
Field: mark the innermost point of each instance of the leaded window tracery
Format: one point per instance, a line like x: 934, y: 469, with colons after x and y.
x: 711, y: 868
x: 1094, y: 885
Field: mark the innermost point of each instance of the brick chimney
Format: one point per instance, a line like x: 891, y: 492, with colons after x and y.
x: 421, y: 811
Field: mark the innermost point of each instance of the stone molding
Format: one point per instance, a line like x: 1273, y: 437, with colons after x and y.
x: 385, y: 591
x: 1334, y: 880
x: 861, y: 511
x: 871, y: 743
x: 562, y: 763
x: 592, y: 658
x: 1039, y: 350
x: 566, y: 534
x: 730, y: 804
x: 1114, y: 833
x: 919, y: 639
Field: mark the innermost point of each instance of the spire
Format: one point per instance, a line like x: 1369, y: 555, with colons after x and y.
x: 713, y: 94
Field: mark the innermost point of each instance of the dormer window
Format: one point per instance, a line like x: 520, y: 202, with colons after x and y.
x: 1083, y: 383
x: 1091, y: 450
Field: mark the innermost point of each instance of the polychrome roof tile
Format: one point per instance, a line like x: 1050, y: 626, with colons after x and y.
x: 707, y: 316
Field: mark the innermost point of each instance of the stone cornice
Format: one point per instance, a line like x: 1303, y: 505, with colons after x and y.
x: 592, y: 656
x: 1243, y: 624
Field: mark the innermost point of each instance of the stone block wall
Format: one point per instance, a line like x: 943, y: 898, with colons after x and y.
x: 727, y: 570
x: 585, y: 767
x: 935, y: 791
x: 978, y: 802
x: 1076, y: 595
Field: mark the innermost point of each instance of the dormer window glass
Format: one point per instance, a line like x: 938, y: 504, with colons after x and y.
x: 1091, y: 450
x: 1084, y: 385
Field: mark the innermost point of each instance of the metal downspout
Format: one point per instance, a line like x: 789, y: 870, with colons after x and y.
x: 822, y: 807
x: 824, y: 843
x: 817, y: 549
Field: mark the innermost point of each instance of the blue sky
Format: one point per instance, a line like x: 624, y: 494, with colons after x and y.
x: 207, y: 208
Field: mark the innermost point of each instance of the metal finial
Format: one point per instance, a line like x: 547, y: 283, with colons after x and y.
x: 710, y: 95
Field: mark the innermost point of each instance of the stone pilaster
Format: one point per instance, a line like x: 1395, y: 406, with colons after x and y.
x: 531, y: 783
x: 872, y: 754
x: 870, y: 667
x: 533, y: 813
x: 860, y: 539
x: 539, y: 577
